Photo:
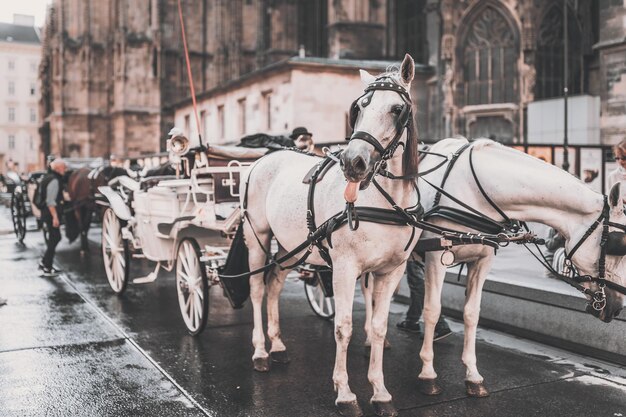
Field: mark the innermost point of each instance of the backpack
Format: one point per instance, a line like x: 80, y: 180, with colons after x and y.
x: 39, y: 198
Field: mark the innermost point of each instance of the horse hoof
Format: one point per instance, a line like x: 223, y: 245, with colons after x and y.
x: 349, y: 409
x: 429, y: 386
x: 384, y: 409
x: 261, y: 364
x: 280, y: 357
x: 476, y: 389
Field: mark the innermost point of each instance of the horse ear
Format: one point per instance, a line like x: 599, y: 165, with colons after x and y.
x: 366, y: 77
x: 407, y: 69
x: 615, y: 196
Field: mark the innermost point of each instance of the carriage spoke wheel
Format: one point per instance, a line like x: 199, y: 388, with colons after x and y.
x: 18, y: 215
x: 192, y: 286
x: 115, y: 252
x: 321, y: 305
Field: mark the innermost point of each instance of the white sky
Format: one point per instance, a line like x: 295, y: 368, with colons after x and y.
x: 35, y: 8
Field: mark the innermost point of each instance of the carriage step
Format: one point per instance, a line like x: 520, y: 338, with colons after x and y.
x: 151, y: 277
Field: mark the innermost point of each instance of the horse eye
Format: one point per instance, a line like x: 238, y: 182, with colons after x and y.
x: 396, y: 110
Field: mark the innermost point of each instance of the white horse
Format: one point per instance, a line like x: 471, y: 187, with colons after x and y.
x: 277, y: 205
x: 527, y: 189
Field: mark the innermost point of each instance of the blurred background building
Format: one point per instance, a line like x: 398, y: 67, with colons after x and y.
x: 20, y: 52
x: 114, y: 78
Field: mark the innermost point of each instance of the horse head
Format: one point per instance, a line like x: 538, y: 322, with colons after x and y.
x: 615, y: 249
x: 606, y: 245
x: 378, y: 119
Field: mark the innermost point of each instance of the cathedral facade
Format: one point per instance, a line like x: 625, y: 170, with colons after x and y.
x: 113, y: 71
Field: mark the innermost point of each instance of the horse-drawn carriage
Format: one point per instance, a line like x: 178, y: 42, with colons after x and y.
x: 186, y: 222
x: 21, y: 202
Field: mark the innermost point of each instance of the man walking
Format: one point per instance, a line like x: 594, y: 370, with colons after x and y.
x: 52, y: 194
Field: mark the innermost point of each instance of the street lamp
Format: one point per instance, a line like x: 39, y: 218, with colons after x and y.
x: 565, y: 83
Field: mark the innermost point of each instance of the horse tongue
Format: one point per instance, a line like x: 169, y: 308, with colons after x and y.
x: 352, y: 191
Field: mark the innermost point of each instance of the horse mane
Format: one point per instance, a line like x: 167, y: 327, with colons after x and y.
x: 410, y: 156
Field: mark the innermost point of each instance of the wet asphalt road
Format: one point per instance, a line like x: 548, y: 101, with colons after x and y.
x: 69, y: 346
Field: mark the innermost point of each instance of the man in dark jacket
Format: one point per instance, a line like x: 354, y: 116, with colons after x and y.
x: 52, y: 189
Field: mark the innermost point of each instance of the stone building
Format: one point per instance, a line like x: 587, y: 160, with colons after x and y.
x: 114, y: 73
x: 20, y: 51
x: 501, y: 69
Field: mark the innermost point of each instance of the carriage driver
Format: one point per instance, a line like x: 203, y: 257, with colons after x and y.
x: 303, y: 139
x: 52, y: 189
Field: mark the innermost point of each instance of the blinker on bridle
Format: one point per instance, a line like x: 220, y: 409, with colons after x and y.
x: 404, y: 118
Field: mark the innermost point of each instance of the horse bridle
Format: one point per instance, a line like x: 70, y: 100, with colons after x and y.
x: 404, y: 118
x: 598, y: 298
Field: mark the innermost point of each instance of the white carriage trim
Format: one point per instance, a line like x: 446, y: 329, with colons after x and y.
x: 120, y: 208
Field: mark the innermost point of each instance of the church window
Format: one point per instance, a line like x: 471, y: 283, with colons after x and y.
x: 490, y: 60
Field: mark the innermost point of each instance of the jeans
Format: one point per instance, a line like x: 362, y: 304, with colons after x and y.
x: 415, y: 278
x: 54, y: 237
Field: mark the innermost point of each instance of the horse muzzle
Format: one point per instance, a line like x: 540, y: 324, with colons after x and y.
x: 356, y: 165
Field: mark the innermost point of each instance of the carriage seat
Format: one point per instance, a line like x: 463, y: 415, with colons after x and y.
x: 235, y: 152
x: 149, y: 182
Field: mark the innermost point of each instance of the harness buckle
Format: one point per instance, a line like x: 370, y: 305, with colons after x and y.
x: 599, y: 300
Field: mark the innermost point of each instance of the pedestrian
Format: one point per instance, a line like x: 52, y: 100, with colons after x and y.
x: 303, y: 139
x: 619, y: 173
x: 3, y: 301
x: 415, y: 269
x: 52, y: 194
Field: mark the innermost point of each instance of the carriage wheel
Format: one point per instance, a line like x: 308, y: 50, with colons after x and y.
x: 192, y: 286
x: 321, y: 305
x: 115, y: 252
x: 18, y: 215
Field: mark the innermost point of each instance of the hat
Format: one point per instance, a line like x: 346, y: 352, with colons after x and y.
x: 299, y: 131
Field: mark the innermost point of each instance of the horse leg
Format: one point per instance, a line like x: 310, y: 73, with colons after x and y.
x: 476, y: 276
x: 384, y: 287
x: 434, y: 276
x: 256, y: 259
x: 84, y: 222
x: 369, y: 306
x: 275, y: 283
x: 344, y: 283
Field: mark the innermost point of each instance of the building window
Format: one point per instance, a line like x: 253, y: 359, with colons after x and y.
x: 30, y: 143
x: 312, y: 27
x: 187, y: 126
x: 267, y: 108
x: 221, y: 122
x: 11, y: 114
x: 11, y: 65
x: 33, y: 66
x: 490, y: 60
x: 410, y: 30
x: 33, y: 115
x: 11, y: 141
x: 33, y: 89
x: 549, y: 63
x: 11, y: 88
x: 203, y: 123
x: 242, y: 116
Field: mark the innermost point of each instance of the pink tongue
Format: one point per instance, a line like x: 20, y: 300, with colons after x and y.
x: 352, y: 191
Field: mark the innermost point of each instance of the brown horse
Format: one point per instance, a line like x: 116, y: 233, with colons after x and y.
x: 82, y: 186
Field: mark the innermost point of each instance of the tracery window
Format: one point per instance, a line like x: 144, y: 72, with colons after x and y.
x: 549, y: 63
x: 490, y: 66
